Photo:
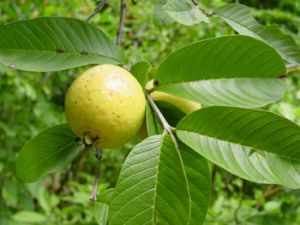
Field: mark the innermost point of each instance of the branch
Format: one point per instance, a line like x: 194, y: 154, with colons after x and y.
x: 98, y: 156
x: 272, y: 191
x: 161, y: 118
x: 203, y: 11
x: 195, y: 3
x: 98, y: 9
x: 236, y: 211
x: 291, y: 66
x: 123, y: 7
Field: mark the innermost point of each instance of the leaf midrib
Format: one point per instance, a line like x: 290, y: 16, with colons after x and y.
x: 63, y: 53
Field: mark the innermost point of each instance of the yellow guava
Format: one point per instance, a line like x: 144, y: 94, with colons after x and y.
x: 106, y: 103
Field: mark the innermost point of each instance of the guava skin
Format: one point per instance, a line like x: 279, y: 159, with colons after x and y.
x: 106, y: 102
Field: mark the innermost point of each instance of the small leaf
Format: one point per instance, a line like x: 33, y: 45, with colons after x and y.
x: 153, y: 125
x: 29, y: 217
x: 140, y: 70
x: 238, y: 92
x: 240, y: 18
x: 49, y: 151
x: 101, y: 213
x: 184, y: 12
x: 160, y: 17
x: 106, y: 195
x: 10, y: 193
x: 152, y: 187
x: 54, y: 43
x: 224, y: 57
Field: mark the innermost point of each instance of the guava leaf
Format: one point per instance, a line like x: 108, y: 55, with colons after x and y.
x: 256, y: 145
x: 238, y: 92
x: 29, y: 217
x: 160, y: 17
x: 199, y: 181
x: 239, y: 17
x: 181, y: 11
x: 140, y: 70
x: 152, y: 187
x: 106, y: 195
x: 54, y: 43
x: 101, y: 213
x: 171, y: 113
x: 184, y: 12
x: 224, y: 57
x: 49, y: 151
x: 153, y: 125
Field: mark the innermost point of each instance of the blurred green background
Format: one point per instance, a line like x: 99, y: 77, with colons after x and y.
x: 30, y: 102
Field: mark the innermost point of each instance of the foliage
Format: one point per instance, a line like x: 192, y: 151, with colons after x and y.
x: 31, y: 102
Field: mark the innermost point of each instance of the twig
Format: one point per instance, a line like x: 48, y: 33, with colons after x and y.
x: 236, y: 211
x: 123, y: 7
x: 269, y: 193
x: 98, y: 156
x: 203, y: 10
x: 139, y: 33
x: 195, y: 3
x: 98, y: 9
x: 272, y: 191
x: 291, y: 66
x: 161, y: 118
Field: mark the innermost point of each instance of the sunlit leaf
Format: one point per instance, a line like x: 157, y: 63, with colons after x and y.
x: 54, y: 43
x: 240, y: 18
x: 152, y: 187
x: 224, y: 57
x: 256, y: 145
x: 239, y: 92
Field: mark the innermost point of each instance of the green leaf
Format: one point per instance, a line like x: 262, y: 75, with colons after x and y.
x: 54, y: 43
x: 256, y: 145
x: 49, y: 151
x: 172, y: 113
x: 161, y: 18
x: 199, y: 181
x: 255, y: 166
x: 184, y: 12
x: 224, y: 57
x: 152, y: 187
x: 257, y: 129
x: 106, y: 195
x: 10, y: 193
x: 29, y: 217
x: 239, y: 17
x: 153, y: 125
x: 140, y: 70
x: 239, y: 92
x: 181, y: 11
x: 101, y: 213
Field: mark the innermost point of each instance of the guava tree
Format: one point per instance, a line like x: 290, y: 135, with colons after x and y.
x: 204, y: 104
